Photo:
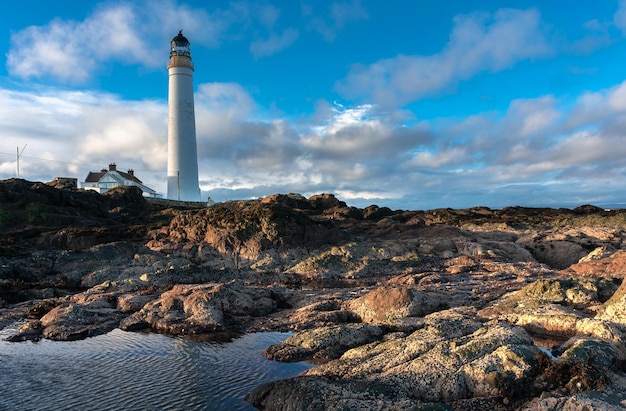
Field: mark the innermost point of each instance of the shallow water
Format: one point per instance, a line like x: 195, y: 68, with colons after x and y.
x: 124, y: 370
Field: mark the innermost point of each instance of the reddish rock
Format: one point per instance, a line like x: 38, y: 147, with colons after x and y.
x: 612, y: 266
x: 385, y: 304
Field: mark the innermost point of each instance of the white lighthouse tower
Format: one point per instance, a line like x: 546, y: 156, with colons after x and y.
x: 182, y: 154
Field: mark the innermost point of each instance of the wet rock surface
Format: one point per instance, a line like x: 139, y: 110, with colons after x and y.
x: 473, y: 309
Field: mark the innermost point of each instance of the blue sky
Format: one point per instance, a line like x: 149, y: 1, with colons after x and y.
x: 407, y: 104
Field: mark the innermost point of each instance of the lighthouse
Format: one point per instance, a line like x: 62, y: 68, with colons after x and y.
x: 182, y: 153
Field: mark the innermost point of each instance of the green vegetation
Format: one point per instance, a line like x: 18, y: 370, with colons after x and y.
x: 38, y: 214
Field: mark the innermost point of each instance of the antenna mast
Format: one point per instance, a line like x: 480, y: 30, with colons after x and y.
x: 19, y: 153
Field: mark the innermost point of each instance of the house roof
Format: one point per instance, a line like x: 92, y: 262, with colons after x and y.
x: 130, y: 177
x: 94, y: 177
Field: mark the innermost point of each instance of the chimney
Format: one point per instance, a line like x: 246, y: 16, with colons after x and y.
x: 112, y: 167
x: 131, y: 172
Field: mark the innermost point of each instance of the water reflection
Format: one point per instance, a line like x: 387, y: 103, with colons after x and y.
x: 123, y: 370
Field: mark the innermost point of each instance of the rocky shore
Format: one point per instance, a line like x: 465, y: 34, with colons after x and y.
x: 476, y: 309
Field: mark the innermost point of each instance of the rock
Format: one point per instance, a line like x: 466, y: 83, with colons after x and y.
x: 452, y: 358
x: 603, y: 330
x: 614, y: 309
x: 580, y: 402
x: 241, y: 231
x: 74, y: 321
x: 353, y: 260
x: 195, y: 309
x: 552, y: 307
x: 118, y: 260
x: 609, y: 265
x: 326, y: 201
x: 312, y: 393
x: 388, y: 303
x: 376, y: 213
x: 30, y: 331
x: 560, y: 248
x: 608, y: 393
x: 558, y: 254
x: 130, y: 303
x: 295, y: 201
x: 321, y: 313
x: 595, y: 353
x: 599, y: 253
x: 40, y: 308
x: 323, y: 343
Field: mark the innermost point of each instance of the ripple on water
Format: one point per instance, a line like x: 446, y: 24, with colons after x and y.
x: 124, y: 370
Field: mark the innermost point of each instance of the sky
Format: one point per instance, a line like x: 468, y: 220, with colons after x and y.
x: 408, y: 104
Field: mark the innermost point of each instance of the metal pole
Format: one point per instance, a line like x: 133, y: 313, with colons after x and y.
x: 178, y: 183
x: 19, y: 153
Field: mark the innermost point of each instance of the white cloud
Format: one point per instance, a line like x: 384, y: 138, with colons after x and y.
x: 445, y: 157
x: 124, y: 32
x: 356, y: 133
x: 72, y: 133
x: 616, y: 98
x: 225, y: 99
x: 478, y: 42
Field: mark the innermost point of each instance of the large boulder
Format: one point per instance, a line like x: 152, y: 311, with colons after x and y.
x: 79, y: 320
x: 384, y: 304
x: 610, y: 264
x: 553, y: 307
x: 201, y: 308
x: 451, y: 359
x: 323, y: 343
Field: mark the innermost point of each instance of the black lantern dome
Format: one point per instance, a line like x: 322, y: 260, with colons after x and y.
x: 180, y: 46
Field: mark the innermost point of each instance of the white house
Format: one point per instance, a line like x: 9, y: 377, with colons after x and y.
x: 105, y: 180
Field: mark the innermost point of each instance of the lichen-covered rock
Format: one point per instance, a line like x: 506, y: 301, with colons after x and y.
x: 603, y: 330
x: 553, y: 306
x: 580, y: 402
x: 323, y: 343
x: 572, y: 384
x: 581, y: 291
x: 614, y: 309
x: 358, y: 259
x: 451, y: 358
x: 596, y: 353
x: 495, y: 361
x: 557, y: 254
x: 312, y: 393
